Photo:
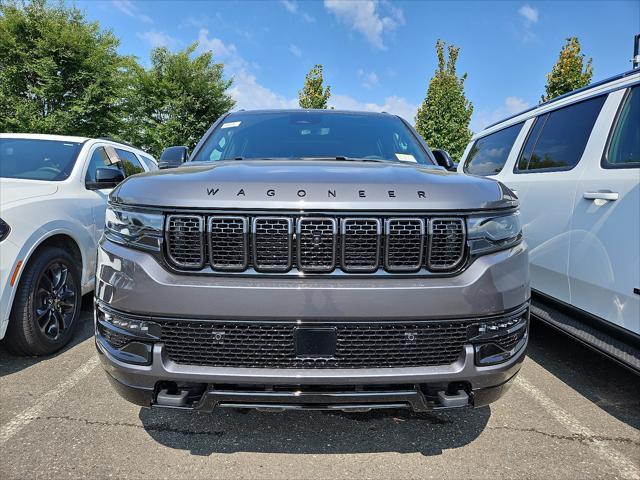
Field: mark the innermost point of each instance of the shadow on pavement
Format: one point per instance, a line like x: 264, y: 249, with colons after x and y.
x: 607, y: 384
x: 313, y: 432
x: 10, y: 363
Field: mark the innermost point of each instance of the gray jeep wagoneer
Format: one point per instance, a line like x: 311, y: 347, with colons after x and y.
x: 311, y: 259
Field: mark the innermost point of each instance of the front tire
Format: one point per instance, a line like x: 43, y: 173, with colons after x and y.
x: 47, y: 304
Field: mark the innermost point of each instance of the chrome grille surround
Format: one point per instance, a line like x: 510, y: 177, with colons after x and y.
x: 228, y: 243
x: 360, y: 244
x: 272, y: 244
x: 446, y: 243
x: 404, y: 244
x: 184, y: 234
x: 316, y: 243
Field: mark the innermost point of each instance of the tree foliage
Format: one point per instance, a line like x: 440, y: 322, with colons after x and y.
x: 313, y: 93
x: 59, y: 73
x: 444, y: 116
x: 569, y: 72
x: 176, y: 100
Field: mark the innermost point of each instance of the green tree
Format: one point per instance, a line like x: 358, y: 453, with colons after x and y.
x: 176, y: 100
x: 59, y: 73
x: 444, y: 116
x: 569, y: 72
x: 313, y: 93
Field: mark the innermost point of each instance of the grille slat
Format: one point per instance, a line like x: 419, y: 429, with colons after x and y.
x: 184, y: 234
x: 360, y: 244
x: 316, y: 244
x: 404, y: 244
x: 220, y: 344
x: 272, y: 243
x: 446, y: 243
x: 228, y: 249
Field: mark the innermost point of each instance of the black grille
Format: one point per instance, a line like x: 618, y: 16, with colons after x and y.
x: 272, y: 243
x: 228, y: 243
x: 316, y: 244
x: 184, y: 240
x: 259, y: 345
x: 405, y: 244
x: 115, y: 339
x: 446, y: 243
x: 360, y: 244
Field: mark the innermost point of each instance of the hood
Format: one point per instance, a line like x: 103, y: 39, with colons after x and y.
x: 16, y: 189
x: 312, y: 185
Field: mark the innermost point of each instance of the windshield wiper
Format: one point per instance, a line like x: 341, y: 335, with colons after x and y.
x: 348, y: 159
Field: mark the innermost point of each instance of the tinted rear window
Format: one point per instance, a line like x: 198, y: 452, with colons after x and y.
x: 558, y: 138
x: 489, y: 154
x: 312, y: 134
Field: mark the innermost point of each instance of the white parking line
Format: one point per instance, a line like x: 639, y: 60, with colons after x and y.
x: 626, y: 468
x: 24, y: 418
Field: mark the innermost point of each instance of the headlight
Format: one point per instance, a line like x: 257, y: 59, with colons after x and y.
x: 490, y: 234
x: 4, y: 229
x: 134, y: 227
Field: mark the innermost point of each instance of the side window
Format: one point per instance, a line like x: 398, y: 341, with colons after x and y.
x: 558, y: 138
x: 489, y: 154
x: 98, y: 159
x: 149, y: 162
x: 130, y: 163
x: 624, y: 145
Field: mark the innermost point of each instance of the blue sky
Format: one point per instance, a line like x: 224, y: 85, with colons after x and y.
x: 379, y: 55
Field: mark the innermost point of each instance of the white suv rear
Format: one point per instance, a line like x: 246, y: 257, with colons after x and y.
x: 53, y: 194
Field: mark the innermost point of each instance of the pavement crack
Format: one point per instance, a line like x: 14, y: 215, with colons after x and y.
x: 576, y: 437
x: 149, y: 429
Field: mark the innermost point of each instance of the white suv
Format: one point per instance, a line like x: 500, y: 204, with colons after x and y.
x: 574, y: 162
x: 53, y: 196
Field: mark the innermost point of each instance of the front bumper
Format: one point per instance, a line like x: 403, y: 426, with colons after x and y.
x: 133, y: 283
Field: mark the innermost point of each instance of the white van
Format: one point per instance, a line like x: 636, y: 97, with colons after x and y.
x: 574, y: 162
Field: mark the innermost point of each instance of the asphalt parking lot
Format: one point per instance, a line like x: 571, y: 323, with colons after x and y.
x: 571, y: 414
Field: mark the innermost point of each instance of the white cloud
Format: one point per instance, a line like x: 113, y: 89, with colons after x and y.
x: 368, y: 79
x: 217, y: 46
x: 529, y: 13
x: 529, y: 19
x: 158, y: 39
x: 393, y: 104
x: 292, y: 6
x: 511, y: 106
x: 295, y: 50
x: 128, y: 8
x: 367, y: 17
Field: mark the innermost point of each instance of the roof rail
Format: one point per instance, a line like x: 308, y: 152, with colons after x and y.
x: 115, y: 140
x: 565, y: 95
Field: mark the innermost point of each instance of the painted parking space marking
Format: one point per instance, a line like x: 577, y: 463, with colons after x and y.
x: 625, y: 467
x: 25, y: 417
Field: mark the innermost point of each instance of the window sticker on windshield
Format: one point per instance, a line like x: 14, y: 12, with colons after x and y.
x: 406, y: 157
x: 230, y: 124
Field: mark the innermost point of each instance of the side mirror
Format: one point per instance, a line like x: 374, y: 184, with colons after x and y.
x: 444, y: 160
x: 173, y: 157
x: 106, y: 178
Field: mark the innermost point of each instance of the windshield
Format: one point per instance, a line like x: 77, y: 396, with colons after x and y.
x: 312, y: 135
x: 37, y: 159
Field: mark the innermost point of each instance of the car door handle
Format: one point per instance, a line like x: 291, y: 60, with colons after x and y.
x: 601, y: 195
